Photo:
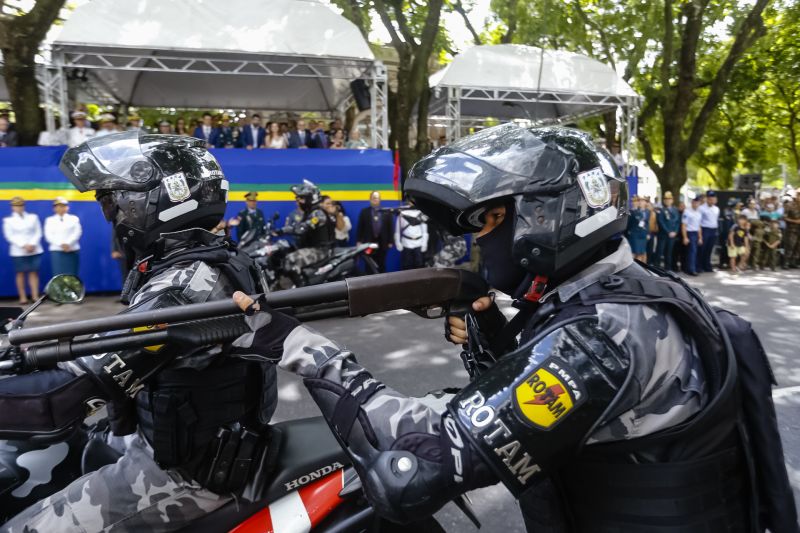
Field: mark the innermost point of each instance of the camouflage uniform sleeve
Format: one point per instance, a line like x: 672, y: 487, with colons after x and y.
x: 311, y: 355
x: 668, y: 384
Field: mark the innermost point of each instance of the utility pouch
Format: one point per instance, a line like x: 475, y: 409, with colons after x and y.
x: 235, y: 458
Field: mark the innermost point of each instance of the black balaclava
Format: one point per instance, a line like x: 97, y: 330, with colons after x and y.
x: 499, y: 268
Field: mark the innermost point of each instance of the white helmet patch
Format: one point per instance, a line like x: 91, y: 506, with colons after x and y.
x: 594, y: 185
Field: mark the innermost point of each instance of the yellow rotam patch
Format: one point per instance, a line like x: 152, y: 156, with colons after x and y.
x: 543, y: 398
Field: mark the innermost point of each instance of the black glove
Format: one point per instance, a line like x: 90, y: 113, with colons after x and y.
x: 269, y: 329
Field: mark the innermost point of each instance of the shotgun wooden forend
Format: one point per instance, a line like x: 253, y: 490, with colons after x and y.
x: 414, y: 289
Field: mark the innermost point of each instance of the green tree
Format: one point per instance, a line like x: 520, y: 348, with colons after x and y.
x: 416, y: 35
x: 680, y: 54
x: 21, y: 33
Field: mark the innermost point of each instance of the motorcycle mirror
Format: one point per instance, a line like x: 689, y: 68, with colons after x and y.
x: 65, y: 289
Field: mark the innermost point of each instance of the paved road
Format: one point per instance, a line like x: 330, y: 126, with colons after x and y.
x: 409, y: 354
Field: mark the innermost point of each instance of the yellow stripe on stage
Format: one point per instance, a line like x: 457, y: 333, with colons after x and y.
x: 233, y: 196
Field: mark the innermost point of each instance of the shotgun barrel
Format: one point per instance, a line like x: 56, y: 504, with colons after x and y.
x: 450, y: 289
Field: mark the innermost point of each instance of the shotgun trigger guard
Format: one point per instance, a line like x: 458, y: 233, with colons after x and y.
x: 476, y: 357
x: 432, y: 311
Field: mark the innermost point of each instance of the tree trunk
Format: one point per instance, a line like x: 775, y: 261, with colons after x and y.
x: 610, y: 126
x: 423, y: 142
x: 19, y: 71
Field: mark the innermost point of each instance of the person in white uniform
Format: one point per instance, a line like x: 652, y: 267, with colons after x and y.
x: 62, y: 231
x: 23, y: 231
x: 411, y: 238
x: 81, y: 131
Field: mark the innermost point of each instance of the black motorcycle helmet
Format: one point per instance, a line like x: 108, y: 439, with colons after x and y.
x: 307, y: 194
x: 566, y: 195
x: 149, y: 184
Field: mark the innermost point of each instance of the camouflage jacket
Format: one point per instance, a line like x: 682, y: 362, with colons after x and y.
x: 183, y: 283
x: 667, y: 385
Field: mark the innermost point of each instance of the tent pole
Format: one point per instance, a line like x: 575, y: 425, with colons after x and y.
x: 61, y: 80
x: 379, y: 126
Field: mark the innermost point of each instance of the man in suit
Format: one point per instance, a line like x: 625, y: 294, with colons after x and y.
x: 253, y: 135
x: 375, y: 226
x: 207, y: 132
x: 8, y: 137
x: 229, y: 136
x: 319, y: 139
x: 300, y: 137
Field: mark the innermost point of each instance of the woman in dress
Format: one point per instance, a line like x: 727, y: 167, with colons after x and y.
x: 639, y: 229
x: 337, y: 139
x: 356, y: 142
x: 23, y: 231
x: 180, y: 127
x: 274, y: 137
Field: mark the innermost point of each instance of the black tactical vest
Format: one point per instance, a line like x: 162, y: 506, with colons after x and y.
x: 323, y: 236
x: 180, y: 409
x: 720, y: 471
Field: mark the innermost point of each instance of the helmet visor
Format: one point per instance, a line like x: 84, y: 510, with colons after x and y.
x: 117, y: 162
x: 495, y: 162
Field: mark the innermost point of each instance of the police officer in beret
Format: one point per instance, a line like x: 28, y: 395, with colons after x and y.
x: 250, y: 218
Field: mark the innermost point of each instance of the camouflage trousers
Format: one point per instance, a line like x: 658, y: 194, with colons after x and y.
x: 133, y: 494
x: 454, y: 248
x: 757, y: 253
x: 771, y: 258
x: 299, y: 259
x: 792, y: 245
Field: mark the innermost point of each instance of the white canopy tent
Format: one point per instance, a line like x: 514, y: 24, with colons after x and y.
x: 509, y: 81
x: 296, y: 55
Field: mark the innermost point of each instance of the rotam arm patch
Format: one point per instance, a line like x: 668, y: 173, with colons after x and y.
x: 535, y: 408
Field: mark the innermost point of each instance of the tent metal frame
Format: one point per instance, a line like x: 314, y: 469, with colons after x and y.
x: 628, y: 106
x: 65, y: 57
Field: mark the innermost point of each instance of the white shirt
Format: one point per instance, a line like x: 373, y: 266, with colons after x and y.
x: 76, y: 135
x: 408, y: 235
x: 709, y: 216
x: 60, y: 230
x: 57, y: 138
x: 206, y: 132
x: 20, y: 230
x: 691, y: 219
x: 751, y: 214
x: 344, y: 234
x: 254, y: 132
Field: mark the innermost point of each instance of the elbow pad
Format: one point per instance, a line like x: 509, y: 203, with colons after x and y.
x: 537, y: 406
x: 412, y: 476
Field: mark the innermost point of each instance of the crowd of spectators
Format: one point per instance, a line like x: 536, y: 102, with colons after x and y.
x: 761, y: 233
x: 217, y: 132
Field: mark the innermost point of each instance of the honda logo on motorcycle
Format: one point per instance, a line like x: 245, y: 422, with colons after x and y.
x: 316, y: 474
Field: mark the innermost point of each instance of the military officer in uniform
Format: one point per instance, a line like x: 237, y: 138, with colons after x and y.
x: 250, y: 218
x: 228, y: 136
x: 792, y: 218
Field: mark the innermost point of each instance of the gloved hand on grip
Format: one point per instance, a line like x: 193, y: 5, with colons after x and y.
x: 489, y: 318
x: 269, y: 329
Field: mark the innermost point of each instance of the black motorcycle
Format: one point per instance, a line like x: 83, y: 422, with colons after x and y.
x: 269, y: 252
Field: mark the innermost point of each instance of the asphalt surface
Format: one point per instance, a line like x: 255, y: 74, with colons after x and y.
x: 409, y: 354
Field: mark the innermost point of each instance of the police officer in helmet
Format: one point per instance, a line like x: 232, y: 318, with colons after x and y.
x: 618, y: 410
x: 163, y: 193
x: 313, y: 231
